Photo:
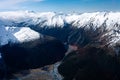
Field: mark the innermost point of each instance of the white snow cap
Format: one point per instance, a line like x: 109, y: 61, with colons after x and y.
x: 26, y: 34
x: 60, y: 19
x: 17, y: 34
x: 111, y: 20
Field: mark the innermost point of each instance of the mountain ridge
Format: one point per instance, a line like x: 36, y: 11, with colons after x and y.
x: 44, y: 22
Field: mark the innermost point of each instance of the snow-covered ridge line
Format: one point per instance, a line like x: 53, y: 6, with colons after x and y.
x: 106, y: 20
x: 59, y: 19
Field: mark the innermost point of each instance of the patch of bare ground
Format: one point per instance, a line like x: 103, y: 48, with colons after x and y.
x: 35, y: 74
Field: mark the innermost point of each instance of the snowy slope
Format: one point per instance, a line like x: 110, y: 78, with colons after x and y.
x: 59, y: 19
x: 109, y: 21
x: 17, y: 34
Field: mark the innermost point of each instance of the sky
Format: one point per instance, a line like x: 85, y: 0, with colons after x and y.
x: 66, y: 6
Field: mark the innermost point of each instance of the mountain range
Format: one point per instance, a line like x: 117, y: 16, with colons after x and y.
x: 20, y: 25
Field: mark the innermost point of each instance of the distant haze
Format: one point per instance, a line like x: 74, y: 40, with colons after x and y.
x: 66, y: 6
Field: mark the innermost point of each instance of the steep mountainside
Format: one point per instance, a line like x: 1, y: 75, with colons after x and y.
x: 62, y: 26
x: 20, y: 26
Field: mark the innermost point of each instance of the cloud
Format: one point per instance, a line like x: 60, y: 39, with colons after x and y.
x: 14, y: 4
x: 6, y: 3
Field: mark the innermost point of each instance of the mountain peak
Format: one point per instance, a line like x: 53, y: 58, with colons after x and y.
x: 109, y: 21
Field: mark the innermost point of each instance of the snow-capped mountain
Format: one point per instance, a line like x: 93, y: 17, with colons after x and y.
x: 56, y: 24
x: 17, y: 34
x: 21, y: 26
x: 58, y: 19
